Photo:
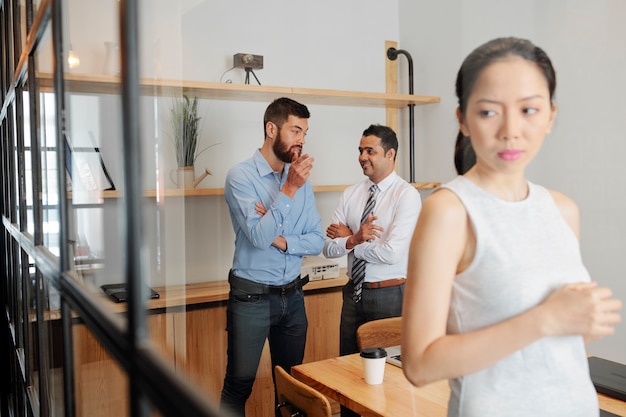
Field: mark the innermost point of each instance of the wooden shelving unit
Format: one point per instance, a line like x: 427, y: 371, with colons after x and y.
x: 106, y: 84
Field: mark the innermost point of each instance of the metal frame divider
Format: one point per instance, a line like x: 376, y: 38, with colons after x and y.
x: 134, y: 242
x: 64, y: 261
x: 152, y: 381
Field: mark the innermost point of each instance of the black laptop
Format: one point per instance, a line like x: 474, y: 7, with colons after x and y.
x: 608, y: 377
x: 119, y: 292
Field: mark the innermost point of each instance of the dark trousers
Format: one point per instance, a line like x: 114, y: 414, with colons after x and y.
x: 375, y: 304
x: 250, y: 320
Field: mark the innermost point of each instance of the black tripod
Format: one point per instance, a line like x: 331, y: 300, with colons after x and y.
x: 248, y: 71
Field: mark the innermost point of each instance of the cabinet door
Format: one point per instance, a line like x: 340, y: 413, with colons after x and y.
x: 201, y: 347
x: 323, y: 310
x: 101, y: 384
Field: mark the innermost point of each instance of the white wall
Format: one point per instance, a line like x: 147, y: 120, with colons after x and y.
x: 583, y: 155
x: 340, y: 45
x: 323, y: 44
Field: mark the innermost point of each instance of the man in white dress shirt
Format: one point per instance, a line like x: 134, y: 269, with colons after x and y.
x: 381, y: 238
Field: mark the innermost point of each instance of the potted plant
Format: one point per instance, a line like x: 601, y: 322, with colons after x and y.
x: 186, y: 127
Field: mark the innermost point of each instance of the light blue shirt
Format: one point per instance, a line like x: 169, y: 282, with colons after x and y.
x: 297, y: 220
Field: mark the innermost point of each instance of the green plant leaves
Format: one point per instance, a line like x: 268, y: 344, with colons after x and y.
x: 185, y: 123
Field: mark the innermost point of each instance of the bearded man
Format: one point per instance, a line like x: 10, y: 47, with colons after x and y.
x: 276, y: 223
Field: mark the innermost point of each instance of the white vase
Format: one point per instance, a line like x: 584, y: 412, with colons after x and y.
x: 184, y: 177
x: 112, y: 59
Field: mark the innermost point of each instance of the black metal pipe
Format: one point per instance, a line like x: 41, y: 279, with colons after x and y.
x: 392, y: 54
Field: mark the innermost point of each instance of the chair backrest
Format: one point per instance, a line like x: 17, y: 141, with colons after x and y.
x: 379, y: 333
x: 300, y: 396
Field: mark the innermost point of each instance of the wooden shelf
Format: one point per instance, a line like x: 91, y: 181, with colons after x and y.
x: 106, y: 84
x: 192, y: 192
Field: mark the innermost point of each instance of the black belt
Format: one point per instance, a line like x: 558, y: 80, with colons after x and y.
x: 252, y: 287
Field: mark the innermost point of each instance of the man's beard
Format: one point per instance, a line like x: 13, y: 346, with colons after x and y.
x: 281, y: 150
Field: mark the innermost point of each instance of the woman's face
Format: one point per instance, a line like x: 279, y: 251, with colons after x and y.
x: 508, y: 115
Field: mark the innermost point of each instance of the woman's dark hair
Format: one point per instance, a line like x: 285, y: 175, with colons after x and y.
x: 388, y: 138
x: 280, y: 109
x: 474, y: 65
x: 464, y: 156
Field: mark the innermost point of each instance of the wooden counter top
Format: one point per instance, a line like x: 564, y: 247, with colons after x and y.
x: 210, y: 292
x: 195, y: 294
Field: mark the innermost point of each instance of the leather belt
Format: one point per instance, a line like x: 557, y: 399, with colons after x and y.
x: 384, y: 284
x: 252, y: 287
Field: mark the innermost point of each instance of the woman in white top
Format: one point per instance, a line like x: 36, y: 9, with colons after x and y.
x: 497, y: 299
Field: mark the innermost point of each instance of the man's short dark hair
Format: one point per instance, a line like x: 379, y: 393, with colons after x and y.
x: 388, y: 138
x: 280, y: 109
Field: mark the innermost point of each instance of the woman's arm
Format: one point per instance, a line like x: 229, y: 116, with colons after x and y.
x: 442, y: 246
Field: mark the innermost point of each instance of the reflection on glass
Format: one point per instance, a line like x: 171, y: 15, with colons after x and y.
x: 21, y: 6
x: 101, y: 384
x: 48, y: 143
x: 73, y: 61
x: 39, y: 349
x: 16, y: 163
x: 48, y: 368
x: 93, y: 167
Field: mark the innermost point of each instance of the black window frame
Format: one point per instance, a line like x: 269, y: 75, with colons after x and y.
x: 152, y: 382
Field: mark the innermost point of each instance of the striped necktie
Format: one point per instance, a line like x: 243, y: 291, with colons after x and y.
x: 358, y: 265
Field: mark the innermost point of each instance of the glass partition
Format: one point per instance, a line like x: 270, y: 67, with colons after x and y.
x: 20, y: 9
x: 28, y: 164
x: 48, y: 148
x: 185, y: 246
x: 94, y: 151
x: 16, y: 155
x: 101, y: 385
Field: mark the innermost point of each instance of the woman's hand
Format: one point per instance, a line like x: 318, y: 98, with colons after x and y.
x: 582, y: 308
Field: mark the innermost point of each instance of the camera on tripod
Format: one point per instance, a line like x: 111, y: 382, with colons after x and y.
x: 249, y: 62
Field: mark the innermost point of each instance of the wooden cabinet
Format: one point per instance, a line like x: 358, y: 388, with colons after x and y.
x: 190, y: 334
x: 101, y: 386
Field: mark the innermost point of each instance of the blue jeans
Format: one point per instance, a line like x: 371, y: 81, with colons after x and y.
x: 250, y: 319
x: 375, y: 304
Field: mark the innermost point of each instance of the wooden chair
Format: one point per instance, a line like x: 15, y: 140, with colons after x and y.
x: 295, y: 396
x: 379, y: 333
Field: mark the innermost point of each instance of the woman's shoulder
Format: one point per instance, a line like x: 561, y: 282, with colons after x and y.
x: 568, y: 209
x: 560, y: 198
x: 444, y: 204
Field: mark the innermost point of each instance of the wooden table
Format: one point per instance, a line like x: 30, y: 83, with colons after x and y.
x: 341, y: 379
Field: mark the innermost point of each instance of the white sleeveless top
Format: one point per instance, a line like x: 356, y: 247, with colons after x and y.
x: 524, y: 251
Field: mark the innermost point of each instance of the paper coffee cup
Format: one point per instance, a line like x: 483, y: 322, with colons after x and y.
x: 374, y: 365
